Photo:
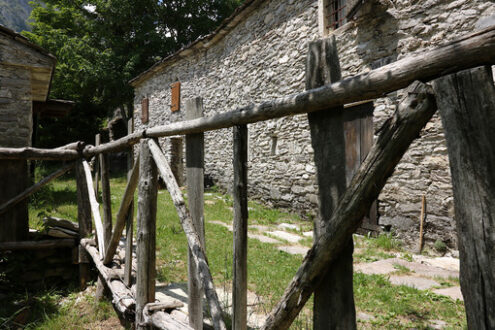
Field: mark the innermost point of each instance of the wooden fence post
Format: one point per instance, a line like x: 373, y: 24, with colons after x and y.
x: 84, y: 220
x: 466, y: 101
x: 107, y: 207
x: 195, y: 190
x: 97, y: 166
x: 129, y: 224
x: 146, y: 233
x: 334, y: 298
x: 240, y: 190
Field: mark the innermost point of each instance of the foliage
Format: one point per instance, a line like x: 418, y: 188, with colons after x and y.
x: 101, y: 44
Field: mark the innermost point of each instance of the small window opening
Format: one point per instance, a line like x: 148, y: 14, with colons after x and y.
x: 336, y: 10
x: 274, y: 150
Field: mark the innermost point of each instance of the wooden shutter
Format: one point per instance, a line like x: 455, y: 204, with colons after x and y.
x: 145, y: 110
x: 175, y: 104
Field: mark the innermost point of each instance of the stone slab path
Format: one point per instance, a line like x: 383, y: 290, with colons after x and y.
x: 422, y: 272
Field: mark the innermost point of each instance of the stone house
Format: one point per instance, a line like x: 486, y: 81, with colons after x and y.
x: 259, y: 54
x: 26, y: 71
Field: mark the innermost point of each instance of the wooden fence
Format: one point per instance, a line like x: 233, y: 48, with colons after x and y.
x: 466, y: 100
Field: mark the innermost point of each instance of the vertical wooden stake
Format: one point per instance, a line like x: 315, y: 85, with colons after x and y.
x: 146, y: 232
x: 130, y: 216
x: 97, y: 166
x: 195, y: 190
x: 466, y: 101
x: 84, y: 220
x: 422, y: 217
x: 334, y: 298
x: 240, y: 227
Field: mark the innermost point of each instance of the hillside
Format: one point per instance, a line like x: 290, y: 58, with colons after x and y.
x: 14, y: 14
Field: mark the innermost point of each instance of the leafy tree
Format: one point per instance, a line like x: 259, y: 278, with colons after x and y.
x: 101, y: 44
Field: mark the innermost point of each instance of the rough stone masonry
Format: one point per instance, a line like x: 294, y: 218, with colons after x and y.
x: 263, y: 57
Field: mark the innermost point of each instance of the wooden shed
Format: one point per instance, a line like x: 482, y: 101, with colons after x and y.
x: 26, y: 71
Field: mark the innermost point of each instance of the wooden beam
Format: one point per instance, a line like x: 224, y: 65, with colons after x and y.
x: 333, y: 298
x: 105, y: 192
x: 466, y: 101
x: 31, y: 190
x: 127, y: 199
x: 85, y: 225
x: 469, y: 51
x: 95, y: 208
x: 192, y: 236
x: 129, y: 222
x: 163, y: 320
x: 97, y: 165
x: 36, y: 245
x: 37, y: 153
x: 195, y: 191
x: 146, y: 233
x: 415, y: 110
x: 240, y: 195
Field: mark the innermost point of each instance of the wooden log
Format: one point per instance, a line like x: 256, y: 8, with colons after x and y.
x: 122, y: 297
x: 105, y: 192
x: 122, y: 213
x: 37, y: 153
x: 422, y: 218
x: 78, y: 145
x: 31, y: 190
x: 146, y: 233
x: 129, y: 222
x: 97, y: 166
x: 162, y: 320
x: 192, y: 236
x: 239, y: 193
x: 195, y: 190
x: 396, y: 135
x: 466, y: 101
x: 36, y: 245
x: 95, y: 208
x: 333, y: 298
x: 469, y: 51
x: 84, y: 222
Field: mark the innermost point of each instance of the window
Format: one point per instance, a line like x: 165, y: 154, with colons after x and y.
x: 336, y: 11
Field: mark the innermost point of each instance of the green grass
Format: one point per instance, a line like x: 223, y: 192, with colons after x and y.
x: 269, y: 270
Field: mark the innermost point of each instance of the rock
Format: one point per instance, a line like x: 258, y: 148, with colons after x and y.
x: 292, y: 238
x: 419, y: 283
x: 288, y: 226
x: 452, y: 292
x: 294, y: 249
x: 263, y: 238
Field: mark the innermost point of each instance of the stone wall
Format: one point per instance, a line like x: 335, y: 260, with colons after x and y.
x: 264, y: 58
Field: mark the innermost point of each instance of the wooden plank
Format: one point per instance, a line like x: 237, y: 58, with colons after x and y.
x: 469, y: 51
x: 129, y: 222
x: 122, y: 213
x: 195, y: 191
x: 31, y: 190
x: 105, y: 192
x: 175, y: 91
x: 192, y: 236
x: 84, y: 221
x: 396, y: 135
x: 36, y: 245
x: 335, y: 150
x: 145, y: 103
x: 97, y: 166
x: 95, y: 208
x: 239, y: 194
x: 466, y: 101
x: 146, y: 233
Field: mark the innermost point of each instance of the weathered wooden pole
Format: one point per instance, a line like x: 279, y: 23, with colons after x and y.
x: 97, y: 165
x: 334, y: 297
x: 466, y: 101
x: 239, y: 192
x: 85, y: 225
x: 129, y: 223
x: 195, y: 191
x: 396, y: 135
x: 107, y: 204
x: 146, y: 233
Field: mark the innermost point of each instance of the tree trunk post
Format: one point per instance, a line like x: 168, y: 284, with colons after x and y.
x: 334, y: 298
x: 97, y: 165
x: 240, y: 192
x: 466, y: 101
x: 195, y: 190
x: 85, y: 225
x: 129, y: 224
x: 146, y: 233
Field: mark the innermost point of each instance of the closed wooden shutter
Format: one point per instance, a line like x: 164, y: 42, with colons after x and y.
x: 175, y: 104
